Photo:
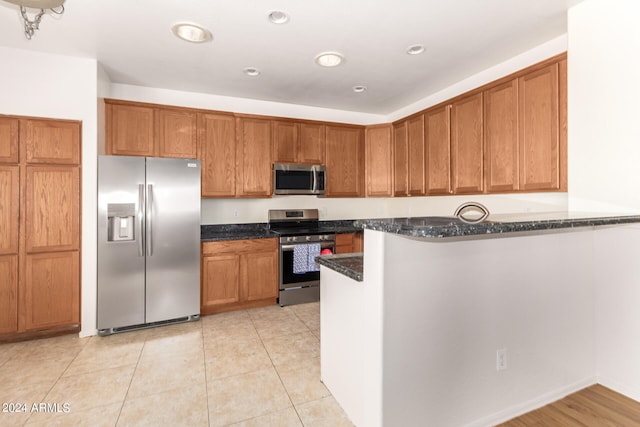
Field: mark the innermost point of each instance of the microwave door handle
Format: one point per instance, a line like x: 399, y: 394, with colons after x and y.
x: 315, y: 179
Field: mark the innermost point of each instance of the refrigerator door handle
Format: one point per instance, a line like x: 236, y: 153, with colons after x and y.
x: 140, y: 237
x: 149, y: 236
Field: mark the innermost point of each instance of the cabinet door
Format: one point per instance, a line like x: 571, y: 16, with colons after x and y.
x: 52, y: 290
x: 345, y: 243
x: 260, y: 275
x: 312, y: 143
x: 562, y: 115
x: 9, y: 209
x: 466, y: 145
x: 400, y: 159
x: 379, y: 161
x: 345, y: 162
x: 437, y: 149
x: 217, y: 153
x: 253, y: 158
x: 176, y: 133
x: 130, y: 130
x: 501, y: 137
x: 51, y: 141
x: 52, y: 208
x: 220, y: 280
x: 285, y: 142
x: 8, y: 294
x: 9, y: 140
x: 538, y: 130
x: 415, y: 156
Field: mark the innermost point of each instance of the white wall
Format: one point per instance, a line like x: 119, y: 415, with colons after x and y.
x: 603, y: 69
x: 229, y: 211
x: 449, y: 306
x: 604, y: 154
x: 44, y: 85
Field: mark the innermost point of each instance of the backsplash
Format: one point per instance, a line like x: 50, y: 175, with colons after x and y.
x: 240, y: 211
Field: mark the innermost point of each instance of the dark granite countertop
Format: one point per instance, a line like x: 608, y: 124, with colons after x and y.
x: 260, y: 230
x: 211, y: 233
x: 348, y: 264
x: 442, y: 227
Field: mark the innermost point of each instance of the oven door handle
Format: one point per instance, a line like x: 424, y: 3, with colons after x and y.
x: 323, y: 245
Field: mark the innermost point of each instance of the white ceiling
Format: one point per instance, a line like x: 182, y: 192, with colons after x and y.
x: 132, y: 39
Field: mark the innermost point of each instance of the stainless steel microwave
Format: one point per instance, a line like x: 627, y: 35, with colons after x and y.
x: 290, y: 178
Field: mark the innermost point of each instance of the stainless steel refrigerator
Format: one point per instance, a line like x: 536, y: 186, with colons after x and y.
x: 148, y: 242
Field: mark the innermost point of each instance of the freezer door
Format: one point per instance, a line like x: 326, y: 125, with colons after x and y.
x: 121, y: 262
x: 173, y: 238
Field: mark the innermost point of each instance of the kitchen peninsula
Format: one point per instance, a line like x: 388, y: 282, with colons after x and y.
x: 468, y: 324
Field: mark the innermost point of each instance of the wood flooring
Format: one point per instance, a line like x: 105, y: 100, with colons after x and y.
x: 594, y: 406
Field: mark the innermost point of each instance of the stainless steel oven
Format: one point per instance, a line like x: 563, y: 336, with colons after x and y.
x: 299, y: 229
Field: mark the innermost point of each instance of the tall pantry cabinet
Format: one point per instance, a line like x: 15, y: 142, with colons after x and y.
x: 39, y: 226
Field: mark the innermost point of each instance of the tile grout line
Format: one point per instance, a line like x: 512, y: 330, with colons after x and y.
x: 276, y: 369
x: 57, y: 379
x: 130, y: 382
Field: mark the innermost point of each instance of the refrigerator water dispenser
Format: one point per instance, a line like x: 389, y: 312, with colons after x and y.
x: 121, y: 218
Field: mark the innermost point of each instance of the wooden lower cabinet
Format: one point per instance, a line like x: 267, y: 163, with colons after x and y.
x: 8, y: 294
x: 52, y: 290
x: 347, y: 243
x: 238, y: 274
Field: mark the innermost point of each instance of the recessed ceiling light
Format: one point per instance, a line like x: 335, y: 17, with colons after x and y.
x: 278, y: 17
x: 191, y: 32
x: 251, y: 71
x: 329, y: 59
x: 359, y: 89
x: 415, y: 49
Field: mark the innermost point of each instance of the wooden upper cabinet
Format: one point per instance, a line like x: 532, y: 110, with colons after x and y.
x: 9, y: 209
x: 130, y: 130
x: 562, y: 116
x: 312, y: 143
x: 217, y: 154
x: 8, y: 294
x: 253, y: 158
x: 379, y: 161
x: 298, y: 142
x: 400, y: 159
x: 437, y: 150
x: 176, y: 133
x: 286, y: 142
x: 466, y: 145
x: 9, y: 133
x: 51, y: 141
x: 501, y: 137
x: 539, y: 130
x: 344, y: 161
x: 52, y: 290
x: 415, y: 156
x: 52, y: 208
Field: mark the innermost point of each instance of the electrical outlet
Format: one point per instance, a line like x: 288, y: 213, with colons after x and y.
x: 323, y: 212
x: 235, y: 213
x: 501, y: 359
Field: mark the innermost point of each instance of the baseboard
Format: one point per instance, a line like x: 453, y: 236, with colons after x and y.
x: 533, y: 404
x: 630, y: 392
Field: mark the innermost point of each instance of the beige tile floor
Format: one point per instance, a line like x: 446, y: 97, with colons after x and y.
x: 258, y: 367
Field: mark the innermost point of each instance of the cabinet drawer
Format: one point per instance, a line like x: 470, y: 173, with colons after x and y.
x: 239, y: 246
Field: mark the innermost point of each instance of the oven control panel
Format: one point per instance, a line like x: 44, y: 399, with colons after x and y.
x: 309, y: 238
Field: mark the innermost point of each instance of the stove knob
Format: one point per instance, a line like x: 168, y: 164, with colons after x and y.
x: 291, y: 239
x: 308, y: 238
x: 323, y: 238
